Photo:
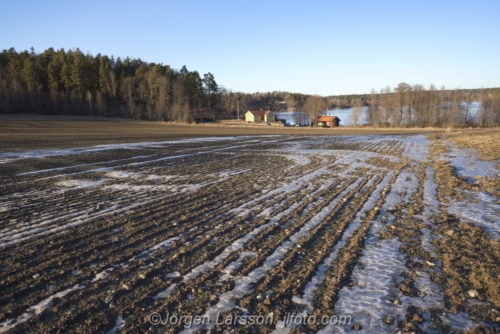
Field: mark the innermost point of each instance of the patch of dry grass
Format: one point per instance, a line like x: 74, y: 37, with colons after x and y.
x: 485, y: 141
x: 469, y: 257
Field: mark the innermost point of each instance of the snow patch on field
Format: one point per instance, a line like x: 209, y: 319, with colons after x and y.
x: 165, y: 244
x: 153, y: 177
x: 312, y: 286
x: 166, y: 292
x: 119, y: 324
x: 80, y: 184
x: 102, y: 275
x: 121, y: 174
x: 370, y: 300
x: 26, y: 231
x: 36, y: 309
x: 79, y: 218
x: 416, y: 147
x: 5, y: 208
x: 235, y: 246
x: 480, y: 209
x: 243, y: 284
x: 458, y: 322
x: 431, y: 208
x: 228, y: 270
x: 144, y: 255
x: 299, y: 160
x: 430, y: 194
x: 246, y: 208
x: 136, y: 188
x: 83, y: 165
x: 467, y: 163
x: 173, y: 274
x: 431, y: 294
x: 13, y: 156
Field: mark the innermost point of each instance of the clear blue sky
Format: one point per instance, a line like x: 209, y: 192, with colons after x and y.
x: 314, y: 47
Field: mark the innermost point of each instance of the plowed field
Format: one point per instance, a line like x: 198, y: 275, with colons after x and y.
x: 369, y: 234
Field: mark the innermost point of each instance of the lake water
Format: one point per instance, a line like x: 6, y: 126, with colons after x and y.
x: 344, y: 115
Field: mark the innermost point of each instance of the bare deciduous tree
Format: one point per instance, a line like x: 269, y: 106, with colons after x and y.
x: 315, y: 106
x: 356, y: 114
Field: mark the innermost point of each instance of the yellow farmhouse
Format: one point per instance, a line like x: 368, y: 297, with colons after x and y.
x: 259, y: 116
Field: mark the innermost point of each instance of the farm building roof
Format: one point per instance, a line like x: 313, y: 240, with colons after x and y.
x: 260, y: 112
x: 327, y: 118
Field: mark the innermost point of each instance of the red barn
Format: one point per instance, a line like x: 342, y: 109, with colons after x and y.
x: 328, y: 121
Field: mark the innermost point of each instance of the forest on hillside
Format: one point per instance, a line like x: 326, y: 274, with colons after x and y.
x: 73, y: 83
x: 59, y: 82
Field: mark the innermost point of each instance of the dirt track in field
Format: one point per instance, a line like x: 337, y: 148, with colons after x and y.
x: 99, y: 238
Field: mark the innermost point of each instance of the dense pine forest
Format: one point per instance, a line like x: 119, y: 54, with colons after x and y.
x: 73, y: 83
x: 59, y: 82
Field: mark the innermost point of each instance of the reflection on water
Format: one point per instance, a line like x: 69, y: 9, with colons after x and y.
x: 345, y: 115
x: 299, y: 117
x: 292, y: 117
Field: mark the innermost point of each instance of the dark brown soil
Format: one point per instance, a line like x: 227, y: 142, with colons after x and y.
x: 20, y: 135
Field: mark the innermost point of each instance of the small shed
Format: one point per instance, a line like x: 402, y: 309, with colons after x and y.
x: 259, y: 116
x: 328, y: 121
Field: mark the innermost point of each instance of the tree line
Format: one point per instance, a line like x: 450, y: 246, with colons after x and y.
x: 74, y: 83
x: 60, y: 82
x: 416, y: 106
